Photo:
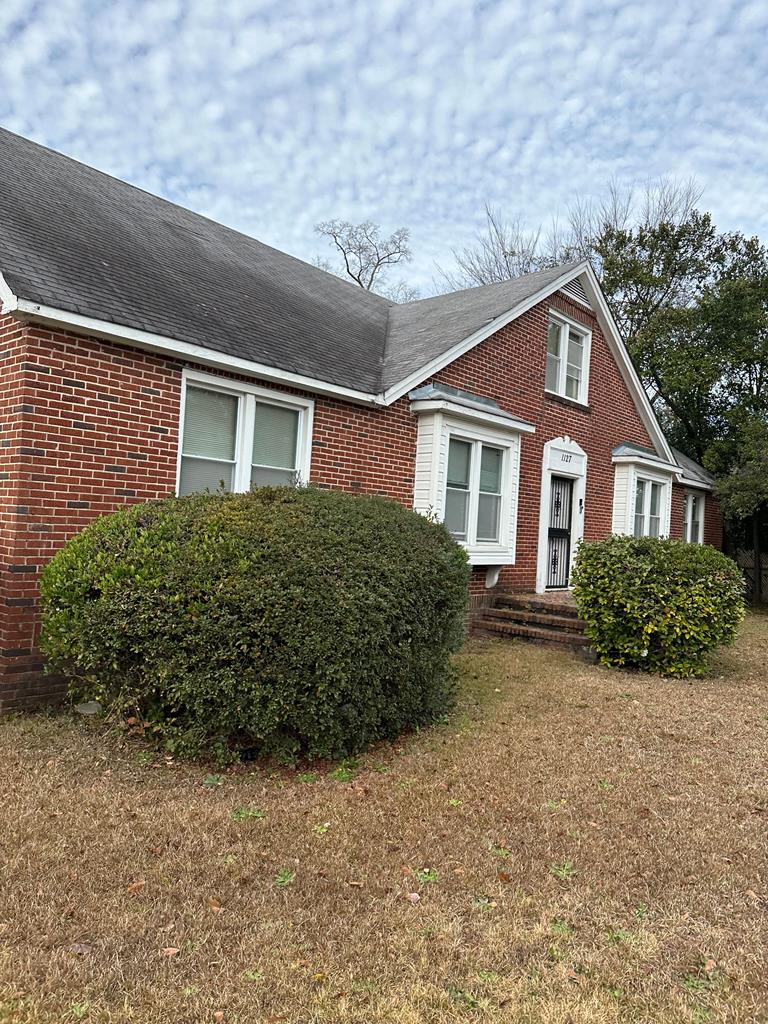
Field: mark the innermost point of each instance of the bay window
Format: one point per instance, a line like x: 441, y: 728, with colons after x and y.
x: 237, y: 436
x: 567, y: 368
x: 693, y: 518
x: 473, y: 491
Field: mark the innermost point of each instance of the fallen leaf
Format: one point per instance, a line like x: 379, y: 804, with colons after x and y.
x: 356, y: 885
x: 219, y: 1015
x: 504, y: 876
x: 412, y: 897
x: 709, y: 965
x: 137, y: 886
x: 214, y: 904
x: 170, y: 950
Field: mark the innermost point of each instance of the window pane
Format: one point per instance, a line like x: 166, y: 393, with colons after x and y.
x: 490, y: 470
x: 572, y: 384
x: 553, y: 338
x: 552, y: 381
x: 459, y: 457
x: 261, y: 477
x: 654, y: 524
x: 204, y: 475
x: 640, y: 498
x: 210, y: 424
x: 275, y: 433
x: 695, y: 520
x: 488, y: 506
x: 639, y: 526
x: 575, y: 349
x: 655, y: 499
x: 456, y: 512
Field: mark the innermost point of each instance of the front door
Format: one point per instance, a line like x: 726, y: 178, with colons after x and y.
x: 559, y: 549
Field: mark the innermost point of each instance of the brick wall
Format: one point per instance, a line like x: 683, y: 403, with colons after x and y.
x: 89, y: 425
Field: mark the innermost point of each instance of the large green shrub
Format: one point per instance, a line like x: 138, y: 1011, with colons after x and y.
x: 292, y: 621
x: 658, y: 605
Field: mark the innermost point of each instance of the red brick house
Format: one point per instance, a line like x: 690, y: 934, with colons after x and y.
x: 146, y: 350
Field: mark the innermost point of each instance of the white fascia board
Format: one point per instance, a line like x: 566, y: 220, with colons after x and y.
x: 628, y: 372
x: 476, y: 415
x: 184, y: 350
x: 670, y: 468
x: 8, y: 301
x: 697, y: 485
x: 440, y: 362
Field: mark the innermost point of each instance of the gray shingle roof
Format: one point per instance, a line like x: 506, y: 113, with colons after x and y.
x: 445, y: 392
x: 84, y: 242
x: 692, y: 471
x: 420, y: 331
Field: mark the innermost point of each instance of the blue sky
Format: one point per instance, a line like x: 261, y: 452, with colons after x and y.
x: 270, y: 116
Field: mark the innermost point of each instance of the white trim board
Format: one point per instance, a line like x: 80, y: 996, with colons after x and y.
x: 184, y: 350
x: 8, y: 301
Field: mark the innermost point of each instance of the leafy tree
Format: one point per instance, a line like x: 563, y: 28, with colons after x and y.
x: 691, y: 303
x: 366, y: 256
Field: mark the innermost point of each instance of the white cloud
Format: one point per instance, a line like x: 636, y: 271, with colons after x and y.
x: 271, y: 117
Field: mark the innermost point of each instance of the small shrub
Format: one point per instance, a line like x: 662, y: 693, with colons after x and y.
x: 290, y: 621
x: 657, y: 605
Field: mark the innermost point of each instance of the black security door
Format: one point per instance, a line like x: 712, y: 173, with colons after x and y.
x: 559, y: 551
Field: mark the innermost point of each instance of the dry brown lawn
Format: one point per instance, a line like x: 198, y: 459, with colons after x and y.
x: 575, y: 845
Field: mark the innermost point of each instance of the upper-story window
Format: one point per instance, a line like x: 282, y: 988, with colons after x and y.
x: 239, y: 436
x: 568, y: 347
x: 693, y: 518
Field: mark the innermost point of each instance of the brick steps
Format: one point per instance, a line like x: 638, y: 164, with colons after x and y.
x: 568, y: 623
x: 537, y: 618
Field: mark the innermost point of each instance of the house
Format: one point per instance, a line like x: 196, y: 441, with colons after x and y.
x: 146, y: 349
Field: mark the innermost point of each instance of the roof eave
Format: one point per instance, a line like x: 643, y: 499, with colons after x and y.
x: 156, y: 343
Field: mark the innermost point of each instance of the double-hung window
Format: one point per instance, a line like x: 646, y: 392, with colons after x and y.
x: 693, y: 519
x: 568, y: 347
x: 473, y: 494
x: 234, y: 437
x: 648, y: 507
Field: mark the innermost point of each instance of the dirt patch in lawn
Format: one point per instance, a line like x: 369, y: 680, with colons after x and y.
x: 574, y: 845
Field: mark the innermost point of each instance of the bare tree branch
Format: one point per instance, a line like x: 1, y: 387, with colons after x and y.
x: 366, y: 255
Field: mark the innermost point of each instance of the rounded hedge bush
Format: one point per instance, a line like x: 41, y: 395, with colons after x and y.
x: 657, y: 605
x: 290, y: 621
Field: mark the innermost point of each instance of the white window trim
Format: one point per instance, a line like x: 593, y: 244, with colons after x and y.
x: 442, y: 428
x: 472, y: 545
x: 642, y: 472
x: 586, y: 334
x: 249, y: 394
x: 687, y: 518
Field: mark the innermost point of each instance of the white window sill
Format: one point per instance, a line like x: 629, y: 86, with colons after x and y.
x: 578, y: 402
x: 489, y: 555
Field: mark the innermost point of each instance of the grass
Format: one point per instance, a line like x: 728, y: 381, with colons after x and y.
x: 574, y: 845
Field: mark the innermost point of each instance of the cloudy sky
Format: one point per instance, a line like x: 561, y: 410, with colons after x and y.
x: 271, y: 116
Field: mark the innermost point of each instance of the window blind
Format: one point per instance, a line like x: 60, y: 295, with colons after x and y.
x: 210, y: 424
x: 275, y: 434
